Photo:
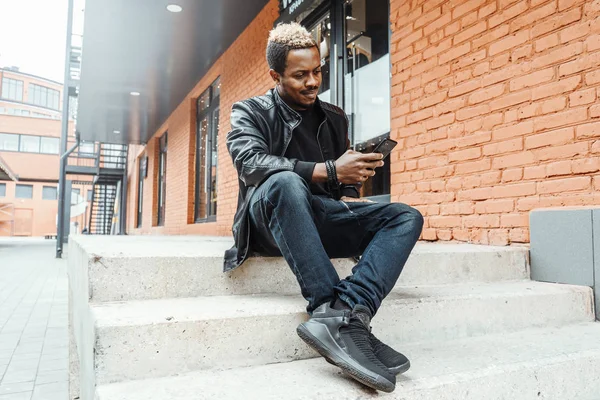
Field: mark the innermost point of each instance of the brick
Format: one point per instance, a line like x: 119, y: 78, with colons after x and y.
x: 558, y: 168
x: 582, y: 97
x: 481, y: 69
x: 445, y: 221
x: 586, y: 165
x: 473, y: 125
x: 502, y: 75
x: 474, y: 194
x: 519, y: 235
x: 419, y: 116
x: 466, y: 7
x: 458, y: 208
x: 552, y: 138
x: 481, y: 221
x: 440, y: 147
x: 440, y: 172
x: 546, y: 42
x: 439, y: 23
x: 449, y: 106
x: 534, y: 172
x: 521, y: 52
x: 591, y: 130
x: 585, y: 62
x: 565, y: 4
x: 452, y: 28
x: 513, y: 160
x: 468, y: 20
x: 556, y: 56
x: 410, y: 39
x: 494, y: 206
x: 506, y: 132
x: 487, y: 10
x: 507, y: 146
x: 470, y: 32
x: 508, y: 14
x: 574, y: 32
x: 471, y: 112
x: 592, y: 43
x: 486, y: 94
x: 423, y: 66
x: 490, y: 36
x: 470, y: 182
x: 509, y: 42
x: 470, y: 59
x: 554, y: 105
x: 595, y: 111
x: 592, y: 78
x: 561, y: 152
x: 532, y: 79
x: 556, y: 22
x: 463, y: 155
x: 492, y: 120
x: 564, y: 185
x: 500, y: 61
x: 428, y: 17
x: 473, y: 139
x: 514, y: 190
x: 443, y: 120
x: 512, y: 175
x: 462, y: 76
x: 515, y: 220
x: 473, y: 166
x: 464, y: 88
x: 454, y: 53
x: 560, y: 119
x: 435, y: 50
x: 532, y: 17
x: 555, y: 88
x: 510, y: 100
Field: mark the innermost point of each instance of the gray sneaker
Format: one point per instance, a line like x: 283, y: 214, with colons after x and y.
x: 343, y: 338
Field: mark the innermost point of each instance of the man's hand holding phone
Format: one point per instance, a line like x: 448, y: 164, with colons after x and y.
x: 355, y: 167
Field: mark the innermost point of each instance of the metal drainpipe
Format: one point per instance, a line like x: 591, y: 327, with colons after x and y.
x: 64, y: 136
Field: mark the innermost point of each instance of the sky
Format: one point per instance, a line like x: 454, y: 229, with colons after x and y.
x: 33, y: 35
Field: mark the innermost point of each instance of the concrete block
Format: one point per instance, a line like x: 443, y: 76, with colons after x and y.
x: 562, y: 249
x: 154, y: 338
x: 154, y: 267
x: 548, y: 363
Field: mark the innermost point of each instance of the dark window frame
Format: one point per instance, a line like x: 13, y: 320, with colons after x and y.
x: 162, y: 179
x: 44, y: 96
x: 140, y: 192
x: 40, y: 138
x: 2, y: 189
x: 203, y: 143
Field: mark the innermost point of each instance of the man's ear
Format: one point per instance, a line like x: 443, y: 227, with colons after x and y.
x: 275, y: 76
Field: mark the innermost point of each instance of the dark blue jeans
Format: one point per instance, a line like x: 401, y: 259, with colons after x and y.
x: 287, y: 219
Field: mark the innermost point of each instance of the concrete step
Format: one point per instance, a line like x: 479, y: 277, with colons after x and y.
x: 550, y: 363
x: 119, y: 268
x: 153, y: 338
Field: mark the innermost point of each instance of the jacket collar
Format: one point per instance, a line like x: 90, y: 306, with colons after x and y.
x: 289, y: 115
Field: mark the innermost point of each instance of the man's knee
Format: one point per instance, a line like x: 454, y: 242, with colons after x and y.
x: 409, y: 216
x: 286, y: 184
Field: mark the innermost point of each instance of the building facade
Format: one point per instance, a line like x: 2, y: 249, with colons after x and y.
x: 494, y: 104
x: 30, y: 126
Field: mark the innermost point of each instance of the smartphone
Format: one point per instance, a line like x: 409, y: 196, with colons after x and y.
x: 385, y: 147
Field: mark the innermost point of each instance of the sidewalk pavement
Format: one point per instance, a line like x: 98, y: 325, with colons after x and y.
x: 33, y: 321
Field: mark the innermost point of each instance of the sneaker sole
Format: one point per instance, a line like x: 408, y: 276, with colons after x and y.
x: 400, y: 369
x: 326, y: 346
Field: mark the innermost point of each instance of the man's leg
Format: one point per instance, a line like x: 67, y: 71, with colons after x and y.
x: 283, y: 221
x: 286, y: 218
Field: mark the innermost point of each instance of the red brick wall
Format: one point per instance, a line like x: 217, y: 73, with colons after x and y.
x: 495, y: 107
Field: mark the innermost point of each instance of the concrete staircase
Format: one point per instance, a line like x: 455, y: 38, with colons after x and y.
x: 154, y: 318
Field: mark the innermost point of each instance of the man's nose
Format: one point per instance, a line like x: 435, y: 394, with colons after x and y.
x: 313, y: 81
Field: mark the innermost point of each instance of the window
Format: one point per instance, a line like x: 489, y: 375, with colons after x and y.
x: 49, y: 193
x: 30, y: 144
x: 44, y: 96
x: 75, y: 195
x: 49, y: 145
x: 2, y: 189
x: 90, y: 195
x: 142, y: 168
x: 24, y: 192
x: 207, y: 153
x: 162, y: 174
x: 9, y: 142
x: 87, y: 150
x: 12, y: 89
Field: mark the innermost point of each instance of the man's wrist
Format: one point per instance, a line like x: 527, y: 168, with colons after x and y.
x: 319, y: 173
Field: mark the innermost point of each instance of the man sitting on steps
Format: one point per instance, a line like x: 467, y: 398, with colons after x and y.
x: 299, y: 198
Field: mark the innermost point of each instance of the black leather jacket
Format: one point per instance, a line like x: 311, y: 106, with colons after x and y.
x: 261, y: 130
